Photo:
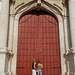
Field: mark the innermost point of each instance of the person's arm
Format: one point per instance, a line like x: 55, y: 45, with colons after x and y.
x: 34, y: 65
x: 42, y: 66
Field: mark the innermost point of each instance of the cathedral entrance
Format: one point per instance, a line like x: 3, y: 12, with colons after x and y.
x: 38, y: 38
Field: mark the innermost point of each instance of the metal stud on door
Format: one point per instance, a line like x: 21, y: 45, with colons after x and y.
x: 38, y: 38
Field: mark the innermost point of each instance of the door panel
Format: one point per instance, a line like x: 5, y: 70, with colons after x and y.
x: 38, y: 38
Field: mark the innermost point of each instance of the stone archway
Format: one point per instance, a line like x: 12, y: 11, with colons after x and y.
x: 61, y: 33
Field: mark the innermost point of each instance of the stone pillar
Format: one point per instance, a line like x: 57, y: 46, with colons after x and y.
x: 72, y: 31
x: 11, y: 37
x: 4, y: 16
x: 66, y: 32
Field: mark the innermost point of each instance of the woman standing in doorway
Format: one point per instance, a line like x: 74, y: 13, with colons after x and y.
x: 34, y: 67
x: 39, y: 68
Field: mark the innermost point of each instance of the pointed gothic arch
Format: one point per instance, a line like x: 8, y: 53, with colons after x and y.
x: 19, y: 12
x: 38, y: 37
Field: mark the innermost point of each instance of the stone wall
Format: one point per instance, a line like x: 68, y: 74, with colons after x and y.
x: 9, y: 18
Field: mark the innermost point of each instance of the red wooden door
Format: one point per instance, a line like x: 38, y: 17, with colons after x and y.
x: 38, y: 38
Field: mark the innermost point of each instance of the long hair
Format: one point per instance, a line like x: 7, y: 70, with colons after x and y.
x: 38, y: 61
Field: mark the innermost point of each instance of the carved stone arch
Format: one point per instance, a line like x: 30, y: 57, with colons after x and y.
x: 49, y: 8
x: 43, y: 5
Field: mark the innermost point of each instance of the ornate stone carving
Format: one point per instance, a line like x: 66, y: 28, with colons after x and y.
x: 70, y: 51
x: 12, y: 2
x: 64, y: 2
x: 9, y: 52
x: 38, y: 4
x: 73, y: 50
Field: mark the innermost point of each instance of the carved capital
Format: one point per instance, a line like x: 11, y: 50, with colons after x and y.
x: 70, y: 51
x: 73, y: 50
x: 64, y: 2
x: 12, y: 2
x: 9, y: 52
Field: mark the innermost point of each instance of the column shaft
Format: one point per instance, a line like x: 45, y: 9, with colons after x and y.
x: 72, y: 31
x: 4, y: 18
x: 72, y: 21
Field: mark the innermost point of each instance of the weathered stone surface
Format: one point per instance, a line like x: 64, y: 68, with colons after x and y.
x: 58, y: 7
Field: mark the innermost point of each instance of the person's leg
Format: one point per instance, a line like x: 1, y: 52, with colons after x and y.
x: 33, y: 72
x: 38, y: 72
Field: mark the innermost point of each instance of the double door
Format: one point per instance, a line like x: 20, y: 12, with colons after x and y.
x: 38, y: 38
